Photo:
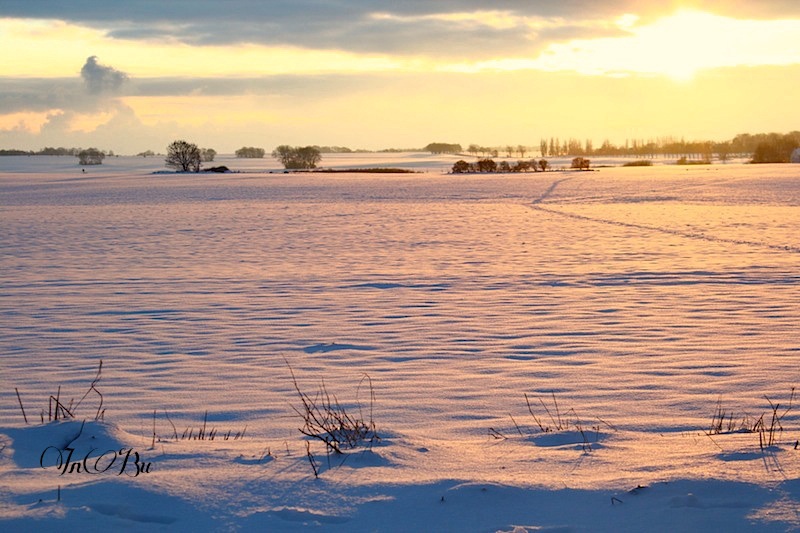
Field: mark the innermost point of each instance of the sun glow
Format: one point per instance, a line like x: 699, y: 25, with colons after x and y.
x: 153, y: 111
x: 25, y: 121
x: 677, y: 46
x: 87, y: 122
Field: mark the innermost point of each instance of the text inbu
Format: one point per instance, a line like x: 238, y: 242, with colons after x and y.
x: 123, y: 461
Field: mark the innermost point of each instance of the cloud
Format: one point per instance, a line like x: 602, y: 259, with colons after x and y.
x: 70, y: 94
x: 34, y: 95
x: 101, y: 79
x: 445, y: 28
x: 452, y: 30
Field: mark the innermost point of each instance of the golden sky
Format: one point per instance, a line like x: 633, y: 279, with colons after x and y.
x: 372, y: 75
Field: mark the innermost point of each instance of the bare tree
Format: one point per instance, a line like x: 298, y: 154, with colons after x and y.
x: 183, y: 156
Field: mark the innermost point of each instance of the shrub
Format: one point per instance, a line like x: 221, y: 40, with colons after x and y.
x: 581, y: 163
x: 325, y: 419
x: 91, y: 156
x: 461, y: 167
x: 250, y: 152
x: 297, y: 157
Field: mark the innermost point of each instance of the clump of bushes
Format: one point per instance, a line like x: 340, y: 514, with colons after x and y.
x: 250, y: 152
x: 90, y: 156
x: 483, y: 166
x: 297, y: 157
x: 581, y: 163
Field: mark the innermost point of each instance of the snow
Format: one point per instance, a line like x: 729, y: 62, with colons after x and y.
x: 537, y: 352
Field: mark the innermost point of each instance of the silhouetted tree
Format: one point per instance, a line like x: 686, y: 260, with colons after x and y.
x: 183, y: 156
x: 543, y: 164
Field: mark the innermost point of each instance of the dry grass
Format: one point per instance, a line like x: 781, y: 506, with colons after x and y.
x: 326, y: 420
x: 557, y: 421
x: 61, y: 410
x: 769, y: 426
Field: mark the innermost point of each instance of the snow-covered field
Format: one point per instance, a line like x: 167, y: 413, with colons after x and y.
x: 630, y: 305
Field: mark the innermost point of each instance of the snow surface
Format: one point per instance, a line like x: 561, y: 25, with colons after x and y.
x: 630, y: 305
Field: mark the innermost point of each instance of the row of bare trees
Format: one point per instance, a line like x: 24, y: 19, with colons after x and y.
x: 771, y: 146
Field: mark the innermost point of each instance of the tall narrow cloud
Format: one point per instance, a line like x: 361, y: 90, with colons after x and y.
x: 101, y: 79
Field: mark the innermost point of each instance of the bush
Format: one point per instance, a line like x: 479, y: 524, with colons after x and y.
x: 91, y: 156
x: 219, y: 169
x: 207, y: 154
x: 250, y: 152
x: 297, y: 157
x: 487, y: 165
x: 461, y: 167
x: 581, y: 163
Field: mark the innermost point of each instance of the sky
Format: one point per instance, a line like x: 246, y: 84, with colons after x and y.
x: 135, y: 75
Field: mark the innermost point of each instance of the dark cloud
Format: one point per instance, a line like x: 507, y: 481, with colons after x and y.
x: 352, y: 25
x: 70, y: 94
x: 101, y: 79
x: 32, y: 94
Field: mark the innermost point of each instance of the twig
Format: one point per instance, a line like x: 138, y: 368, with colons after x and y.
x: 496, y: 434
x: 516, y: 425
x: 535, y: 418
x: 92, y: 387
x: 20, y: 405
x: 174, y: 430
x: 311, y: 460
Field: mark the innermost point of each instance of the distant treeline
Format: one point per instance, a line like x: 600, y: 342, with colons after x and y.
x: 778, y: 146
x: 74, y: 152
x: 762, y: 147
